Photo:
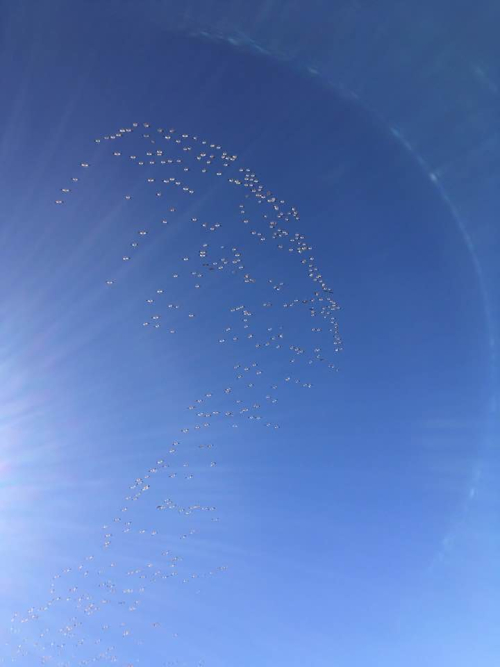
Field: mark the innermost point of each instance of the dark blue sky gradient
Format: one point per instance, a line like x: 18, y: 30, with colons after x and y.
x: 351, y: 535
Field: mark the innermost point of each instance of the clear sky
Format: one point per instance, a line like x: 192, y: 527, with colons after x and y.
x: 215, y: 450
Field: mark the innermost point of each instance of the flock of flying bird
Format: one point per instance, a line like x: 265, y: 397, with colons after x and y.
x: 269, y: 331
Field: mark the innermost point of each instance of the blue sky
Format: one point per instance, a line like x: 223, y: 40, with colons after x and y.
x: 360, y: 531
